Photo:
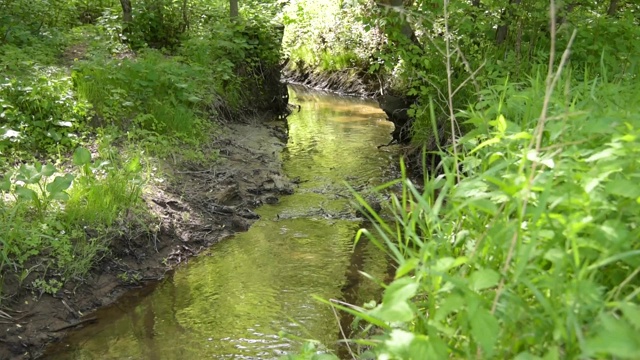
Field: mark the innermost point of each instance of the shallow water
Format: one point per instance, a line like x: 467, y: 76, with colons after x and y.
x: 234, y: 301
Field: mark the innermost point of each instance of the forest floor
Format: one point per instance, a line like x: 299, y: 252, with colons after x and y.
x: 197, y: 206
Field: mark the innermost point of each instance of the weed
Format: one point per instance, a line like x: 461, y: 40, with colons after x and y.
x: 544, y: 239
x: 130, y: 277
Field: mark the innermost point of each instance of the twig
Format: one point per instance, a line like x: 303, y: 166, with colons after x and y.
x: 357, y: 308
x: 75, y: 313
x: 471, y: 77
x: 561, y: 145
x: 468, y: 68
x: 5, y: 315
x: 344, y: 336
x: 625, y: 282
x: 452, y: 116
x: 81, y: 322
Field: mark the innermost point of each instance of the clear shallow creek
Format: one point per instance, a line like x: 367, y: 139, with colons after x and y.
x: 232, y: 302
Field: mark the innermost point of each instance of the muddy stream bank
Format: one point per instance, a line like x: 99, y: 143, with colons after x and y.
x: 234, y: 300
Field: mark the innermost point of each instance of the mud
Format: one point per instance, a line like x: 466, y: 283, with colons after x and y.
x: 199, y: 205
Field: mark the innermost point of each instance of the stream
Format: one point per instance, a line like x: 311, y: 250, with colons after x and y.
x: 237, y: 299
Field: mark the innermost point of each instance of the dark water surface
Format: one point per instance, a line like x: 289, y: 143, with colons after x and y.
x: 233, y: 301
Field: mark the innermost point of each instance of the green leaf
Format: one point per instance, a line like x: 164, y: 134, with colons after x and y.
x: 484, y: 144
x: 604, y: 154
x: 57, y: 187
x: 81, y: 156
x: 615, y: 338
x: 29, y: 174
x: 402, y: 344
x: 48, y: 170
x: 485, y: 330
x: 395, y: 306
x: 555, y: 255
x: 451, y: 304
x: 624, y: 188
x: 26, y: 193
x: 399, y: 343
x: 631, y: 313
x: 500, y: 124
x: 483, y: 279
x: 526, y: 356
x: 484, y: 205
x: 134, y: 165
x: 407, y: 267
x: 520, y: 135
x: 54, y: 135
x: 5, y: 183
x: 552, y: 354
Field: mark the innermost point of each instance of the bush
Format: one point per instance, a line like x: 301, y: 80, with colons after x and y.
x: 532, y: 251
x: 40, y: 112
x: 64, y: 85
x: 49, y: 214
x: 328, y: 35
x: 150, y: 93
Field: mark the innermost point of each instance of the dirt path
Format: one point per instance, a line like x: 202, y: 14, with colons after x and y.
x: 199, y: 206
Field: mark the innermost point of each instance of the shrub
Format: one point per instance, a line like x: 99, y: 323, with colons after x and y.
x: 48, y: 215
x: 40, y: 112
x: 533, y: 250
x: 150, y: 93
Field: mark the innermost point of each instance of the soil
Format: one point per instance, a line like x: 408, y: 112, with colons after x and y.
x: 200, y: 205
x: 352, y: 82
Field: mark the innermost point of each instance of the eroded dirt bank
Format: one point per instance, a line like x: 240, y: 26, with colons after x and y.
x: 197, y: 206
x: 351, y: 82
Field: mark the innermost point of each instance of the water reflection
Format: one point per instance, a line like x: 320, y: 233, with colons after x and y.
x: 233, y: 302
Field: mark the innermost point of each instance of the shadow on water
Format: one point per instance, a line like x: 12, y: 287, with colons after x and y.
x: 233, y: 301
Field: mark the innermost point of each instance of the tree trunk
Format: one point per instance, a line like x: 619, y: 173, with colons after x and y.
x: 505, y: 17
x: 562, y: 17
x: 126, y: 11
x: 185, y: 15
x: 613, y: 8
x: 406, y: 30
x: 233, y: 6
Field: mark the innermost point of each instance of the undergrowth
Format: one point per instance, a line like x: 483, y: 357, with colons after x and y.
x: 327, y: 35
x: 538, y: 238
x: 523, y: 240
x: 87, y: 97
x: 56, y: 222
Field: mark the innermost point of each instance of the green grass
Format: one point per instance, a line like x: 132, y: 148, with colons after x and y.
x: 151, y: 92
x: 530, y: 252
x: 326, y: 61
x: 66, y: 88
x: 47, y: 222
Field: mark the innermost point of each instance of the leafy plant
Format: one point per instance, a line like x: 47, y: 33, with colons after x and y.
x: 541, y: 238
x: 20, y: 182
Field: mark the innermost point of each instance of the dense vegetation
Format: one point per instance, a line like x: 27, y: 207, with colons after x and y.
x: 90, y: 93
x: 523, y: 242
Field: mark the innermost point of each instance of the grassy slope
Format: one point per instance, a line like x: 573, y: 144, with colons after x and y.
x: 87, y: 123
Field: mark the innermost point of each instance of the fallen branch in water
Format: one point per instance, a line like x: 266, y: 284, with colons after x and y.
x: 81, y: 322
